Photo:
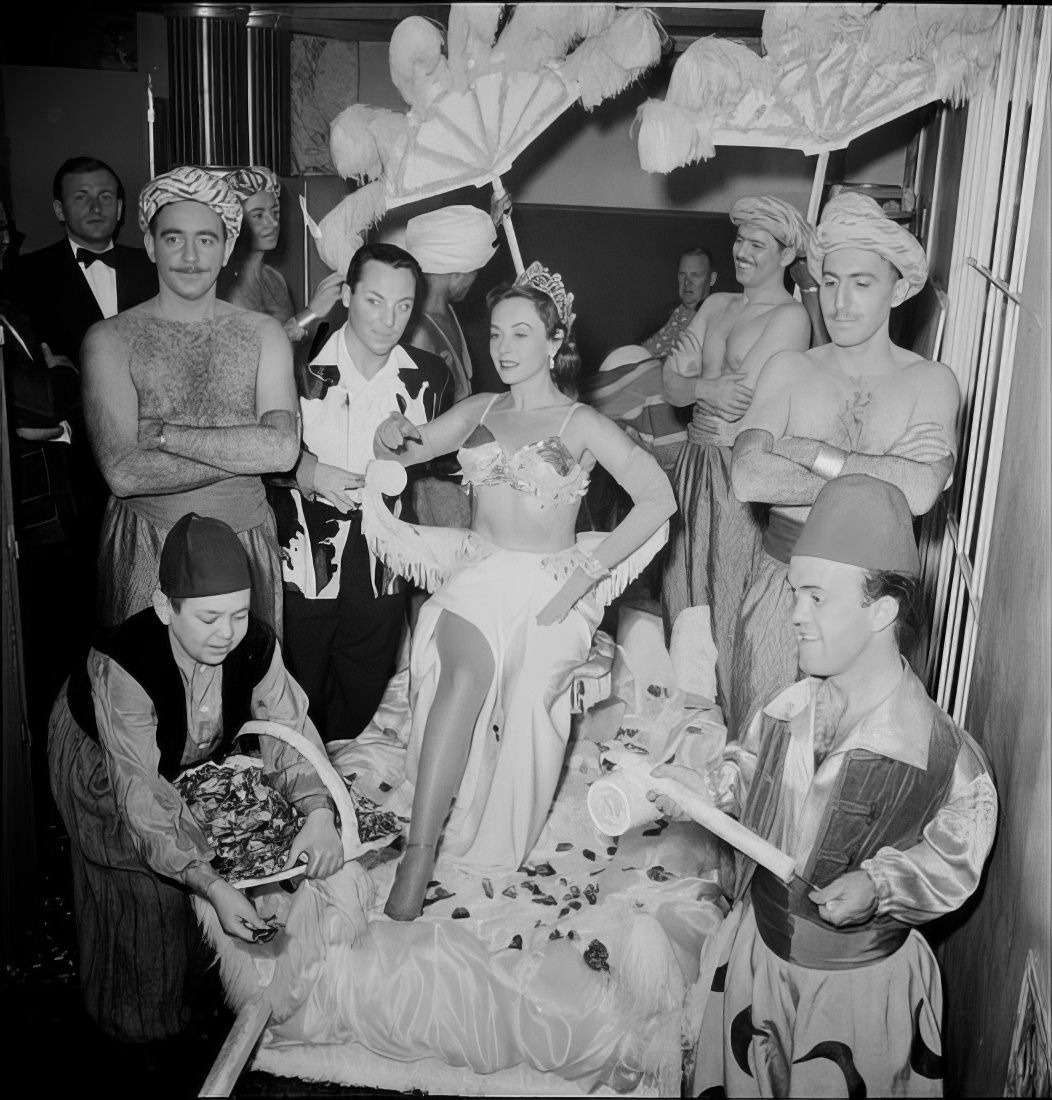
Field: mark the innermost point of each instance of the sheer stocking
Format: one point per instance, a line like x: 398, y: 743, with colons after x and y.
x: 466, y: 670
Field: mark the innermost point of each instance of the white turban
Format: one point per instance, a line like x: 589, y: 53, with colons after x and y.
x: 851, y: 220
x: 784, y: 222
x: 453, y: 239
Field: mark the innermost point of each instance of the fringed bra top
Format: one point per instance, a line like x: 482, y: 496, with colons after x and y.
x: 544, y: 468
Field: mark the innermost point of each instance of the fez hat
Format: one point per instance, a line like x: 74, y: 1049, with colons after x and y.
x: 861, y: 521
x: 202, y: 557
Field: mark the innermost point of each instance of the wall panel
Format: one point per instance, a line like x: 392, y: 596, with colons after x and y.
x: 1010, y: 708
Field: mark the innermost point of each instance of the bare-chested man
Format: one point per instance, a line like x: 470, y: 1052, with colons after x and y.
x: 715, y: 367
x: 859, y: 405
x: 187, y: 400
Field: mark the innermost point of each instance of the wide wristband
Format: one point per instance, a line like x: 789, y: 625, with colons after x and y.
x: 828, y: 463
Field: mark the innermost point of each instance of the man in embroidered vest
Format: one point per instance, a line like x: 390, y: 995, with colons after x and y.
x: 825, y: 987
x: 859, y: 404
x: 166, y: 691
x: 344, y: 616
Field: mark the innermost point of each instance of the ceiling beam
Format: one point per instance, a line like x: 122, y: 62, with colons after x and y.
x: 374, y: 22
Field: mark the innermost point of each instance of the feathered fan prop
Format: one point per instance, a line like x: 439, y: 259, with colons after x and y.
x: 476, y: 100
x: 829, y: 73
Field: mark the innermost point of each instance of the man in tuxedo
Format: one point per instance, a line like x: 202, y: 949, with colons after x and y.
x: 68, y: 286
x: 63, y: 290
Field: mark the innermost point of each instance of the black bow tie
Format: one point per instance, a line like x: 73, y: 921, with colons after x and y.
x: 86, y: 257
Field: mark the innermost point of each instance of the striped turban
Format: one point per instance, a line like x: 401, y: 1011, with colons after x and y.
x: 851, y: 220
x: 249, y: 181
x: 784, y: 222
x: 188, y: 183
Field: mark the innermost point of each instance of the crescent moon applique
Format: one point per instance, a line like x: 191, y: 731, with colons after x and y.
x: 742, y: 1032
x: 841, y: 1054
x: 923, y: 1060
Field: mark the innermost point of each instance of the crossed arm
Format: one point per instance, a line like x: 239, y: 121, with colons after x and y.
x: 145, y: 456
x: 727, y: 393
x: 772, y: 467
x: 683, y: 369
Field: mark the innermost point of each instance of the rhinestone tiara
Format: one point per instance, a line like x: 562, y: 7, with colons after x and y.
x: 550, y: 283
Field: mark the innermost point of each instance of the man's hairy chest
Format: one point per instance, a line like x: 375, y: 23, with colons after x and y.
x: 856, y: 414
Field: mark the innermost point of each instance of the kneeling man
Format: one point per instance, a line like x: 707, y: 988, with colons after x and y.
x: 167, y: 690
x: 887, y: 806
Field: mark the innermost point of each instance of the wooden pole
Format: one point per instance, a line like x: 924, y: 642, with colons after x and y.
x: 237, y: 1048
x: 509, y: 229
x: 815, y: 201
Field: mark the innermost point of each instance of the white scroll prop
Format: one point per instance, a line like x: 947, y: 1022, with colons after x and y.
x: 618, y: 803
x: 727, y: 828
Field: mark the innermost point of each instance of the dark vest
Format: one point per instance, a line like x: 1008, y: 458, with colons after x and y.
x: 878, y: 802
x: 140, y: 645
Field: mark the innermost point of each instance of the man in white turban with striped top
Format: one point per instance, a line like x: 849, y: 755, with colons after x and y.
x: 860, y: 404
x: 714, y: 367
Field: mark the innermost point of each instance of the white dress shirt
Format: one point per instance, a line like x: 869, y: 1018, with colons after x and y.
x: 101, y: 278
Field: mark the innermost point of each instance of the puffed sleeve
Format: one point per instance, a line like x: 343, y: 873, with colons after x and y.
x: 278, y: 698
x: 938, y: 875
x: 162, y: 829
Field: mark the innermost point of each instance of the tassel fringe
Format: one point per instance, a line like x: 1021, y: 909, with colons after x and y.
x: 560, y: 566
x: 428, y: 556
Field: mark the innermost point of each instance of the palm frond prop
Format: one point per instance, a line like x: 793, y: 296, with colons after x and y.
x: 477, y: 97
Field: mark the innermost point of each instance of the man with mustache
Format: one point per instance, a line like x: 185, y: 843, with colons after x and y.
x: 188, y: 400
x: 823, y: 986
x: 714, y: 368
x: 860, y: 404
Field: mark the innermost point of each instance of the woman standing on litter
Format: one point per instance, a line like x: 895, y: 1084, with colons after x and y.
x: 519, y: 595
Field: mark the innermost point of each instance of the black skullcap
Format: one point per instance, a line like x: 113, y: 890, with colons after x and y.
x: 202, y: 557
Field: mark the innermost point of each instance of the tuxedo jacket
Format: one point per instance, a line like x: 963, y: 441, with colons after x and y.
x: 50, y: 288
